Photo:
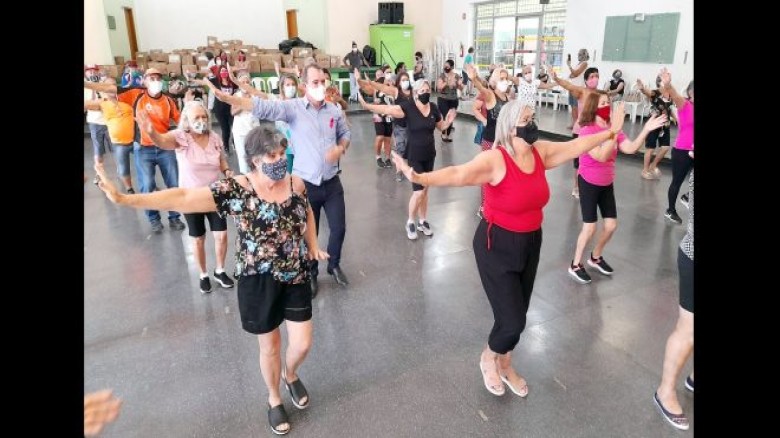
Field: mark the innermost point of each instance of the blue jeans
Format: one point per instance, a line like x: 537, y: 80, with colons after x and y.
x: 146, y: 157
x: 100, y: 138
x: 122, y: 158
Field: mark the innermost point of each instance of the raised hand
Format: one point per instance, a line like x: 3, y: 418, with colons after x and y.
x: 618, y: 117
x: 144, y: 123
x: 100, y: 408
x: 654, y: 123
x: 105, y: 184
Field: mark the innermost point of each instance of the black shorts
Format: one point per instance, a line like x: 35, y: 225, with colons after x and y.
x: 653, y: 138
x: 196, y: 223
x: 383, y: 128
x: 592, y: 196
x: 420, y: 167
x: 685, y: 266
x: 264, y: 302
x: 576, y: 160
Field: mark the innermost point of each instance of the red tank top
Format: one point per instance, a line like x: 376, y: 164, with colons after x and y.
x: 516, y: 203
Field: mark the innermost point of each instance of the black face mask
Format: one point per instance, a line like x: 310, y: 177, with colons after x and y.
x: 447, y: 69
x: 529, y: 132
x: 424, y: 98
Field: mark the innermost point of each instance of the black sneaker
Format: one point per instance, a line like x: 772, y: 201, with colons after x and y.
x: 157, y: 227
x: 130, y: 191
x: 224, y: 280
x: 387, y: 162
x: 689, y: 383
x: 579, y: 273
x: 205, y: 285
x: 379, y: 163
x: 176, y: 224
x: 684, y: 201
x: 600, y: 264
x: 399, y: 176
x: 672, y: 216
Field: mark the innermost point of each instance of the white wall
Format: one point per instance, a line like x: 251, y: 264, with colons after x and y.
x: 120, y: 42
x: 184, y: 24
x: 97, y: 47
x: 585, y: 21
x: 312, y: 26
x: 349, y: 21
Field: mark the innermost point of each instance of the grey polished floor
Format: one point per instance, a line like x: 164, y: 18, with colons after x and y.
x: 396, y: 353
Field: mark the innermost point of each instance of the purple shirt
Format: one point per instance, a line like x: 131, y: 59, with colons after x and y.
x: 198, y: 167
x: 592, y: 170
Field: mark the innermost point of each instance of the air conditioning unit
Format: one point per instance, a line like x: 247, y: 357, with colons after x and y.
x: 639, y: 18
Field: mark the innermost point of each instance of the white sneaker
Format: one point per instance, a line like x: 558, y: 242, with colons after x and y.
x: 411, y: 231
x: 425, y: 227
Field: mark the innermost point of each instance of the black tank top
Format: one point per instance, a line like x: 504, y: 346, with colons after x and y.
x: 489, y: 133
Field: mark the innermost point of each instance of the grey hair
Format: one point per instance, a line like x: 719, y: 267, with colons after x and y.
x: 185, y: 124
x: 507, y: 121
x: 262, y: 140
x: 305, y: 73
x: 419, y: 83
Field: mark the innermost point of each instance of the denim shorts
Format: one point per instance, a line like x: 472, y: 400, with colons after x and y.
x: 122, y: 157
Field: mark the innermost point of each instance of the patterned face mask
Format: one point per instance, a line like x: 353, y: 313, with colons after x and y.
x: 276, y: 170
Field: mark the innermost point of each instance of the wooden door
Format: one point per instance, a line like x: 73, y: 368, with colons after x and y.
x: 292, y: 23
x: 131, y: 32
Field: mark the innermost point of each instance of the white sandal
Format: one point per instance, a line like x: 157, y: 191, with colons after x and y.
x: 495, y: 390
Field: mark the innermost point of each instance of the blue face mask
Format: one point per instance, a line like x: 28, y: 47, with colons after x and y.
x: 276, y: 170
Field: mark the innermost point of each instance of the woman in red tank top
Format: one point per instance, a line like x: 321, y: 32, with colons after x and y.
x: 508, y: 240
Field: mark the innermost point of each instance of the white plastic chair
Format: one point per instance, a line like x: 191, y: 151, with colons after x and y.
x: 259, y: 83
x: 272, y: 83
x: 341, y: 82
x: 563, y: 99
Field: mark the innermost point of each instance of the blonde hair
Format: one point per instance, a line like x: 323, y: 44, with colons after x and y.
x: 507, y: 121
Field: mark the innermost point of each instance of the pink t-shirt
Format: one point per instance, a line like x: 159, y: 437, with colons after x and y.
x: 685, y: 131
x: 592, y: 170
x: 198, y: 167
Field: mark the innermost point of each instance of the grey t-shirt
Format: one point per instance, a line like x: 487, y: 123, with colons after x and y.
x: 448, y: 92
x: 354, y: 59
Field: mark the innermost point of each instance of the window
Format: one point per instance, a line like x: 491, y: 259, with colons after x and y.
x: 519, y: 32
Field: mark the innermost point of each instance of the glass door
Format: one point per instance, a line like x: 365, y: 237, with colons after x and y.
x: 526, y: 44
x: 504, y: 41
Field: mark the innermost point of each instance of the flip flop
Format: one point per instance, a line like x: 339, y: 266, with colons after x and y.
x: 492, y: 390
x: 297, y: 391
x: 517, y: 391
x: 276, y: 417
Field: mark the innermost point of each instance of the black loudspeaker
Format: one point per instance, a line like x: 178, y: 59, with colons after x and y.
x: 391, y: 13
x: 544, y: 2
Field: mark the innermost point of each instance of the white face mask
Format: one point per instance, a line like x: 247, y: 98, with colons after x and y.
x: 317, y: 93
x: 154, y: 88
x: 528, y: 77
x: 354, y: 49
x: 502, y: 86
x: 405, y: 85
x: 199, y: 126
x: 289, y: 91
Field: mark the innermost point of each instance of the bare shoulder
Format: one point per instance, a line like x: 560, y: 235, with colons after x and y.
x: 298, y: 185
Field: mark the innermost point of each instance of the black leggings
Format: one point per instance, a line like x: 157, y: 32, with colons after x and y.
x: 444, y: 107
x: 225, y: 120
x: 507, y: 270
x: 681, y: 164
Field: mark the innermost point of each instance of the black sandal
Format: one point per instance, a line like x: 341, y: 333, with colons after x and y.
x: 276, y: 417
x: 297, y: 391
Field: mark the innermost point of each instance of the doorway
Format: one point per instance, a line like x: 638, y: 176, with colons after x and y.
x: 130, y: 22
x: 292, y: 23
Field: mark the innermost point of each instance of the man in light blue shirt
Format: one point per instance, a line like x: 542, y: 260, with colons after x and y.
x: 320, y: 136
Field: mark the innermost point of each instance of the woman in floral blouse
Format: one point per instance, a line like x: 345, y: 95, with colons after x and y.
x: 275, y: 239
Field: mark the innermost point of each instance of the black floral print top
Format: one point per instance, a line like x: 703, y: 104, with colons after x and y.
x: 270, y: 235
